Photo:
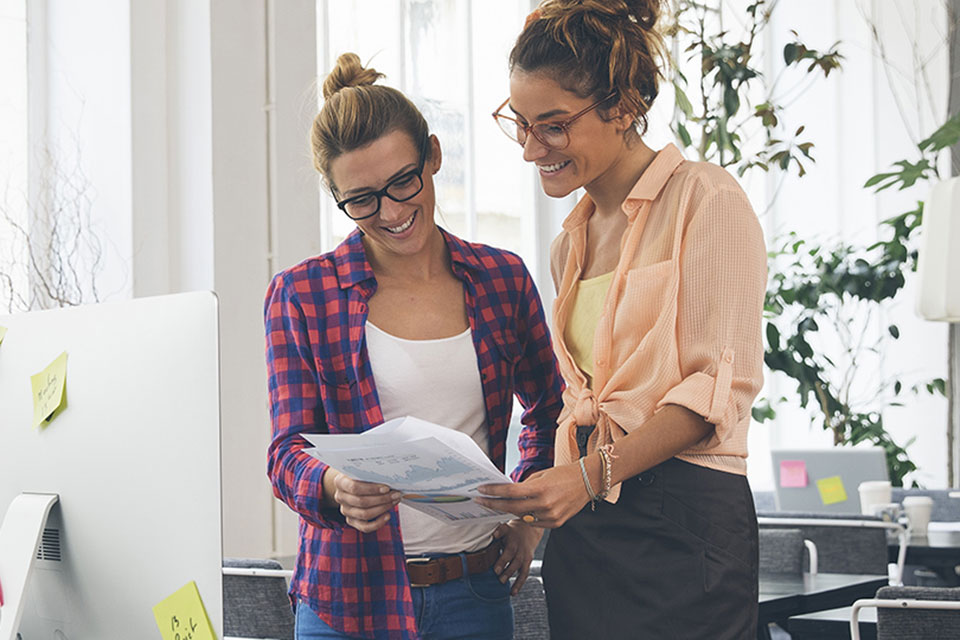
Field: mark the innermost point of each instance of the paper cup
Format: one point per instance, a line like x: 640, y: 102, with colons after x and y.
x: 918, y: 510
x: 872, y: 493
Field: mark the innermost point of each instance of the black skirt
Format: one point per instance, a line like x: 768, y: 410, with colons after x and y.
x: 675, y: 557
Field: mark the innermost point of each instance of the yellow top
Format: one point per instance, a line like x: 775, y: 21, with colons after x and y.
x: 585, y: 310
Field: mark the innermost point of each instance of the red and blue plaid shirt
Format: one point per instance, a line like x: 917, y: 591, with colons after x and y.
x: 320, y: 381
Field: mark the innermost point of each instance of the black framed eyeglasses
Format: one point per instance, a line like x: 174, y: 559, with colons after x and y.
x: 553, y: 135
x: 400, y: 189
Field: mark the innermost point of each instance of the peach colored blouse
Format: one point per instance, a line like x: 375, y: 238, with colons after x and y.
x: 681, y: 322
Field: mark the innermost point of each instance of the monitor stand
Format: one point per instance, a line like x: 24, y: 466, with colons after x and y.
x: 20, y: 535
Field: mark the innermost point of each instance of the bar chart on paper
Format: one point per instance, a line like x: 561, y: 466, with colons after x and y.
x: 424, y: 466
x: 437, y: 469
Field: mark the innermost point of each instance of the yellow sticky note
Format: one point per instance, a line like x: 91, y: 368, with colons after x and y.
x: 182, y: 616
x: 831, y: 490
x: 3, y: 332
x: 50, y: 390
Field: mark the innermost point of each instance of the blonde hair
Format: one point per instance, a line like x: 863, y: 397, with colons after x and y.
x: 596, y: 48
x: 356, y: 112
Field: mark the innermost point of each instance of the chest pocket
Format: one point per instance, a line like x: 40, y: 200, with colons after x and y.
x: 647, y: 291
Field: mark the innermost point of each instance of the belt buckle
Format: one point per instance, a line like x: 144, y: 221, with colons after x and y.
x: 419, y: 561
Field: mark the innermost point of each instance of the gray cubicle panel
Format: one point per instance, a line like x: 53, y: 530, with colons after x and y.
x: 134, y: 457
x: 851, y: 465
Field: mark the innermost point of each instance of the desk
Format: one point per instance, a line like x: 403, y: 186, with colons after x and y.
x: 940, y: 557
x: 833, y: 624
x: 785, y: 595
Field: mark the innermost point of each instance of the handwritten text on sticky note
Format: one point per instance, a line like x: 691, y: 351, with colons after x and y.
x: 182, y: 616
x: 49, y: 390
x: 831, y: 490
x: 793, y: 473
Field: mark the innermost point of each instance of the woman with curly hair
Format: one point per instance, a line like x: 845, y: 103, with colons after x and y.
x: 661, y: 272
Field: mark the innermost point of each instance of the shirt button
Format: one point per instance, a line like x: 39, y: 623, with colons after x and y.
x: 728, y: 358
x: 601, y: 362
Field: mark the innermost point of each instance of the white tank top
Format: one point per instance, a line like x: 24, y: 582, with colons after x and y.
x: 438, y: 381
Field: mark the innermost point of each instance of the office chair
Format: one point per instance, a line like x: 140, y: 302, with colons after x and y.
x: 912, y: 613
x: 846, y: 543
x: 781, y: 551
x: 255, y: 602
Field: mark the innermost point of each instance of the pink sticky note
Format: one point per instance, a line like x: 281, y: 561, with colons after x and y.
x: 793, y: 473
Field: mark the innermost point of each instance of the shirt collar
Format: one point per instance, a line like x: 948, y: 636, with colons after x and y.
x: 352, y: 266
x: 647, y: 187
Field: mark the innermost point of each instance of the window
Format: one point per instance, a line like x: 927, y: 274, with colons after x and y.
x: 13, y: 153
x: 450, y: 58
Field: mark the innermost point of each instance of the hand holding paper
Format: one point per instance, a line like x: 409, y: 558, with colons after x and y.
x: 365, y: 505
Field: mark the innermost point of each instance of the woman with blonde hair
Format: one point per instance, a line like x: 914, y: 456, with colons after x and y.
x: 661, y: 271
x: 402, y: 318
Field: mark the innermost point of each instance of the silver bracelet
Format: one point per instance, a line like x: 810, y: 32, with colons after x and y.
x: 586, y: 482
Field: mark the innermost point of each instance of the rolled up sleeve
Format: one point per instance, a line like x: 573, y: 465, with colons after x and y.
x: 719, y: 314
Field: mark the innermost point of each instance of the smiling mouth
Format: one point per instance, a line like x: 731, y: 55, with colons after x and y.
x: 553, y: 168
x: 403, y: 227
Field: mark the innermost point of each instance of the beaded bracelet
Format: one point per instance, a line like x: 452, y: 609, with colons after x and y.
x: 586, y: 482
x: 608, y: 456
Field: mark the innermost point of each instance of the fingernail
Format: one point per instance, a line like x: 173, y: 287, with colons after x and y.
x: 395, y: 496
x: 384, y: 489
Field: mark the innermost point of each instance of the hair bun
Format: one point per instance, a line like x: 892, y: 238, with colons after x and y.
x: 348, y: 72
x: 644, y: 12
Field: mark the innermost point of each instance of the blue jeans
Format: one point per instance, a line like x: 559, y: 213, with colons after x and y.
x: 475, y: 606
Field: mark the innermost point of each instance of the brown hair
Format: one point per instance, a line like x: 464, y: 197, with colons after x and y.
x: 595, y: 48
x: 356, y: 112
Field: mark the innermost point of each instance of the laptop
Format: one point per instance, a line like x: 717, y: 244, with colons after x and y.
x: 825, y: 480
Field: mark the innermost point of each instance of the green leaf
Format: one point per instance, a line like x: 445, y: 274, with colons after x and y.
x: 938, y: 385
x: 946, y: 136
x: 877, y: 178
x: 684, y: 135
x: 731, y: 100
x: 912, y: 172
x: 790, y: 53
x: 773, y: 336
x: 683, y: 103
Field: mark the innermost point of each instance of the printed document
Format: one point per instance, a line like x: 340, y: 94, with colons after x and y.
x: 437, y: 469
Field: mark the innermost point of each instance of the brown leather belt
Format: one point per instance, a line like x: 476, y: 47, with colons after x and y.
x: 425, y: 572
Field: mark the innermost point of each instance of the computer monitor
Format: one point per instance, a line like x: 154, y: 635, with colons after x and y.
x: 134, y: 458
x: 825, y: 480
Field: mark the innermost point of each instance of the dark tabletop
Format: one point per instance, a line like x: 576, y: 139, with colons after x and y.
x: 785, y: 595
